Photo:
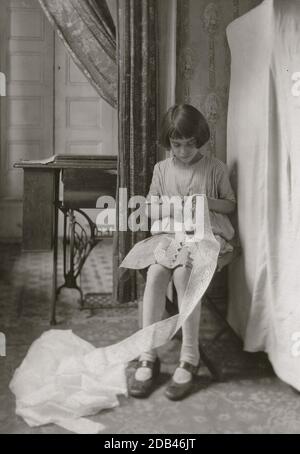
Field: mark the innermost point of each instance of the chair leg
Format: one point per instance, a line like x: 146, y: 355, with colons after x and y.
x: 209, y: 364
x: 212, y: 306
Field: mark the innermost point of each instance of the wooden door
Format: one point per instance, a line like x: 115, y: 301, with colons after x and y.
x: 84, y: 123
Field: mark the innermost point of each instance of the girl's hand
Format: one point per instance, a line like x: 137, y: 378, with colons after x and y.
x: 177, y: 213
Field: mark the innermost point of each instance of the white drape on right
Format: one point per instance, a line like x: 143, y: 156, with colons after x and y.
x: 264, y: 155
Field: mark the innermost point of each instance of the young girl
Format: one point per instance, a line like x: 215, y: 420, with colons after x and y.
x: 187, y: 172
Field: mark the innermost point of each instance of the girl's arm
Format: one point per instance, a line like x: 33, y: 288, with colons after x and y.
x: 225, y: 203
x: 159, y: 210
x: 221, y: 205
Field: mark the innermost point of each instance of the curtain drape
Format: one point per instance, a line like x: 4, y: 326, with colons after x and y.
x: 125, y: 76
x: 88, y: 31
x: 263, y: 148
x: 137, y: 104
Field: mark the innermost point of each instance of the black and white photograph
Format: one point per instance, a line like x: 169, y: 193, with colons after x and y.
x: 149, y: 219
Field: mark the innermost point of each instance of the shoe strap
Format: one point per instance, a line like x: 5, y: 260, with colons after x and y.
x: 188, y: 366
x: 146, y: 363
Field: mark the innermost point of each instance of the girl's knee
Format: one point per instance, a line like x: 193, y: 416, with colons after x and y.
x: 181, y: 277
x: 158, y: 274
x: 182, y: 273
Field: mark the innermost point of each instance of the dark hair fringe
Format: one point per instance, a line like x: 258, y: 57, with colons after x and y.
x: 184, y: 121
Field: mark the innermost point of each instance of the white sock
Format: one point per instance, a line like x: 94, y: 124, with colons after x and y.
x: 143, y: 373
x: 182, y: 375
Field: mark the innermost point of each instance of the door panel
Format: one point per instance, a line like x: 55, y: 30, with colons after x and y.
x: 84, y: 123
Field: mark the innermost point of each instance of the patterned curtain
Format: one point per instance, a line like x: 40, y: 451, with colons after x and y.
x: 87, y: 30
x: 137, y: 101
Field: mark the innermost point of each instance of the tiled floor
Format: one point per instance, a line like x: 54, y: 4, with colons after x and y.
x: 248, y: 400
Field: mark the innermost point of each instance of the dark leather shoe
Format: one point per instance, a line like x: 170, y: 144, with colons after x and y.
x: 143, y: 388
x: 177, y: 391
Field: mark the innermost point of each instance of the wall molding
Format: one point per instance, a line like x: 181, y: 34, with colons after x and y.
x: 91, y: 99
x: 41, y: 36
x: 26, y: 98
x: 25, y: 54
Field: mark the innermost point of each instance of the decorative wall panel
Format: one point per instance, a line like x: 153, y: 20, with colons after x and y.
x: 203, y: 61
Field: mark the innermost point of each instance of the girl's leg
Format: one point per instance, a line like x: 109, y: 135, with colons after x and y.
x: 190, y: 329
x: 154, y: 302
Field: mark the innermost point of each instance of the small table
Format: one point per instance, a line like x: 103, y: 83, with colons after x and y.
x: 86, y: 179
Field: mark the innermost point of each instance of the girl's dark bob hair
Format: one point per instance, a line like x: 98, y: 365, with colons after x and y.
x: 184, y: 121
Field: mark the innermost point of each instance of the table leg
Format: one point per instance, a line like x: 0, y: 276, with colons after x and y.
x: 55, y: 250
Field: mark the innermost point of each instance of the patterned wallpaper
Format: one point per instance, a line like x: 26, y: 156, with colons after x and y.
x: 203, y: 60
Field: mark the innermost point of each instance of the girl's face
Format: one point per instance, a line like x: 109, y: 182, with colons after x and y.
x: 185, y: 149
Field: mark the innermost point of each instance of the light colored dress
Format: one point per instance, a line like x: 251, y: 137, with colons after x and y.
x: 171, y: 177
